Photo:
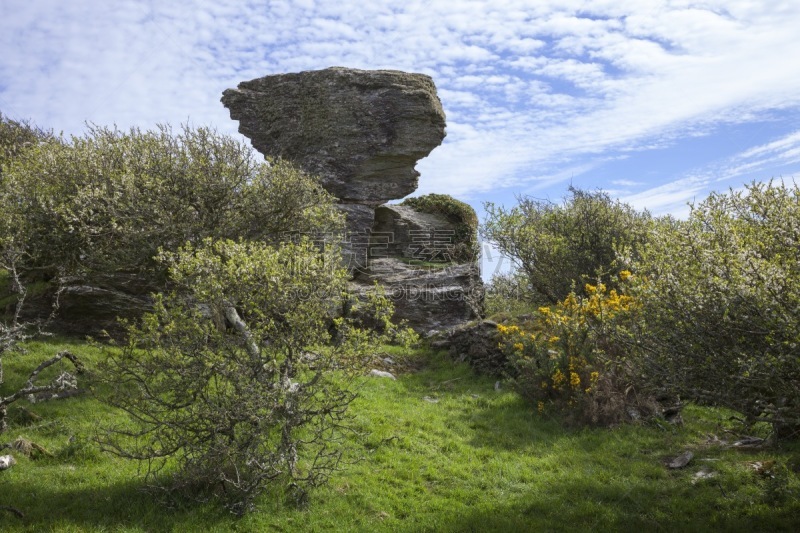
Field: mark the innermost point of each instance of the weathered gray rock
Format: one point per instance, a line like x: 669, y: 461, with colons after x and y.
x: 92, y: 305
x: 361, y: 131
x: 358, y: 227
x: 7, y: 461
x: 429, y: 299
x: 477, y: 343
x: 382, y: 374
x: 681, y: 461
x: 401, y: 231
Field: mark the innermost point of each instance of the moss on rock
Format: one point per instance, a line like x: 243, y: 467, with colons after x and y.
x: 460, y: 214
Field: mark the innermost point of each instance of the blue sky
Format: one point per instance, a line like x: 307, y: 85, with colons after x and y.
x: 657, y: 101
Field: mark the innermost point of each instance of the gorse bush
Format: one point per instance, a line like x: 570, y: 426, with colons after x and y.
x: 559, y: 247
x: 720, y: 296
x: 711, y: 315
x: 572, y: 357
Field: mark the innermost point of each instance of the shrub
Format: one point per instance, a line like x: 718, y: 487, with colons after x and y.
x: 16, y: 137
x: 103, y: 204
x: 264, y: 401
x: 572, y: 357
x: 720, y: 296
x: 558, y: 247
x: 508, y: 294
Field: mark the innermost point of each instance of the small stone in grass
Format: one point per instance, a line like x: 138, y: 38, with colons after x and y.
x: 381, y: 374
x: 682, y: 460
x: 7, y: 461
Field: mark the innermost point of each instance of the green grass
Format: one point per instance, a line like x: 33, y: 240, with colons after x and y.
x: 467, y: 458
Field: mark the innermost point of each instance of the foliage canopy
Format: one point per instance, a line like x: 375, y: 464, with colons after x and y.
x: 104, y: 203
x: 720, y: 296
x: 558, y: 247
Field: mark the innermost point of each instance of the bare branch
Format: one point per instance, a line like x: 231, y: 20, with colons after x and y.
x: 58, y: 388
x: 12, y: 510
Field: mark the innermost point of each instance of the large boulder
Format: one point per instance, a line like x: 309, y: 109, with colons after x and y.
x: 361, y: 131
x: 88, y: 305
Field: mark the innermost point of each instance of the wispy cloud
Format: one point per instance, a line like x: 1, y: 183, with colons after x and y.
x: 730, y: 172
x: 626, y: 183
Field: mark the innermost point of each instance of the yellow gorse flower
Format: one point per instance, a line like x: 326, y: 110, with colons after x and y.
x: 558, y: 379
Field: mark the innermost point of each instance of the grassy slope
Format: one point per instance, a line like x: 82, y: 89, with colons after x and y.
x: 476, y: 460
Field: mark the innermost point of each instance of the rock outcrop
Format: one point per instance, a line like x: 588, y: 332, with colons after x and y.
x: 363, y: 132
x: 430, y: 299
x: 402, y: 231
x: 89, y: 305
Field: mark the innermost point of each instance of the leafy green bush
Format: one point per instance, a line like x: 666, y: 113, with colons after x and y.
x: 508, y: 294
x: 559, y: 247
x: 720, y: 297
x: 465, y: 244
x: 104, y: 203
x: 229, y: 411
x: 16, y: 137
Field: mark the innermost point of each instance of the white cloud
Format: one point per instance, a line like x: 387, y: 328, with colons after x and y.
x: 626, y: 183
x: 780, y: 148
x: 673, y: 198
x: 730, y: 172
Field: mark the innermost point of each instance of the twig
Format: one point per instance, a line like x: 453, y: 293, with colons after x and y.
x: 13, y: 510
x: 446, y: 383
